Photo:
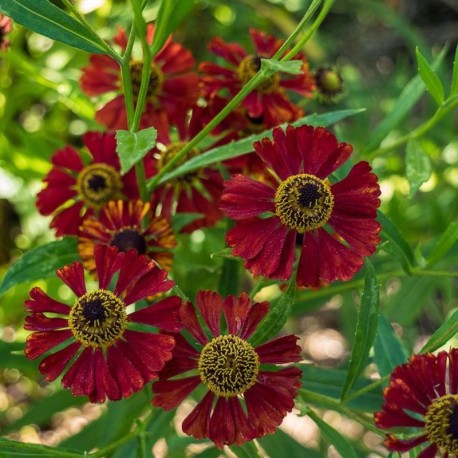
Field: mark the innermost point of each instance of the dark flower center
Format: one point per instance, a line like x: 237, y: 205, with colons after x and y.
x: 99, y: 183
x: 129, y: 238
x: 304, y: 202
x: 249, y: 66
x: 97, y: 319
x: 442, y: 423
x: 156, y: 80
x: 329, y: 82
x: 228, y: 366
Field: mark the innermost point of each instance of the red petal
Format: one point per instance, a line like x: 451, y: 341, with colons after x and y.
x: 73, y: 276
x: 67, y: 221
x: 80, y: 376
x: 178, y: 365
x: 286, y: 381
x: 232, y: 52
x: 41, y: 302
x: 191, y: 323
x: 102, y: 146
x: 197, y: 423
x: 105, y: 385
x: 236, y: 311
x: 222, y: 428
x: 68, y: 158
x: 132, y: 269
x: 40, y: 322
x: 404, y: 445
x: 279, y: 351
x: 171, y: 393
x: 53, y: 365
x: 107, y: 262
x: 256, y: 313
x: 210, y: 305
x: 40, y: 342
x: 113, y: 114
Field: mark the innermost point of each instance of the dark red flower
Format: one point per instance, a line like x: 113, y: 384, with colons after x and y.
x: 173, y: 86
x: 422, y: 397
x: 74, y: 190
x: 127, y: 225
x: 246, y: 397
x: 334, y: 223
x: 195, y: 192
x: 5, y: 28
x: 268, y: 104
x: 101, y: 355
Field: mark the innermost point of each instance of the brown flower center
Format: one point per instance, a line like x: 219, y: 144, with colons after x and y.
x: 98, y: 319
x: 249, y: 66
x: 99, y: 183
x: 127, y: 238
x: 156, y: 80
x: 304, y: 202
x: 329, y: 82
x: 228, y: 366
x: 442, y: 423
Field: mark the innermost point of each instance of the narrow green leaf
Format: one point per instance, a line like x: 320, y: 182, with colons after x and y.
x: 443, y: 245
x: 245, y: 145
x: 366, y: 328
x: 40, y: 262
x: 133, y: 147
x: 229, y: 278
x: 432, y: 82
x: 446, y: 331
x: 289, y: 447
x: 341, y: 444
x: 169, y: 16
x: 47, y: 19
x: 391, y: 233
x: 271, y: 66
x: 418, y: 166
x: 405, y: 102
x: 181, y: 220
x: 276, y: 318
x: 454, y: 85
x: 10, y: 448
x: 388, y: 349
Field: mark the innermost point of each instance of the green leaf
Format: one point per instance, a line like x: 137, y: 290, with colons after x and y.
x: 289, y: 447
x: 181, y: 220
x: 446, y: 331
x: 388, y: 349
x: 405, y: 102
x: 341, y: 444
x: 47, y: 19
x: 454, y: 85
x: 432, y: 82
x: 418, y: 166
x: 366, y: 328
x: 133, y: 147
x: 171, y: 13
x: 10, y: 448
x: 274, y: 321
x: 271, y: 66
x: 229, y: 278
x: 234, y: 149
x: 391, y: 233
x: 40, y: 262
x: 443, y: 245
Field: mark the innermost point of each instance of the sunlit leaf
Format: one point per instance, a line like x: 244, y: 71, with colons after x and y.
x: 432, y: 82
x: 418, y: 166
x: 271, y: 66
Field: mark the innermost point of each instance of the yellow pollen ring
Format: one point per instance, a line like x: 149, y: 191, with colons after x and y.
x: 228, y: 366
x: 99, y: 183
x: 442, y: 423
x: 98, y: 319
x: 249, y: 66
x: 304, y: 202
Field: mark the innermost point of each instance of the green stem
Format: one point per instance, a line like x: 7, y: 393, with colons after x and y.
x: 330, y: 403
x: 108, y: 49
x: 366, y: 389
x: 127, y: 78
x: 444, y: 109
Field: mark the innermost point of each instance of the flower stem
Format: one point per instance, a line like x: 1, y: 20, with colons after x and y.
x: 365, y: 389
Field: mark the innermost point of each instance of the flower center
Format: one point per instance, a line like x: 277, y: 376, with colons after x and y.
x: 329, y: 81
x: 98, y: 319
x: 303, y: 202
x: 98, y: 184
x: 249, y: 66
x: 228, y: 366
x: 125, y: 239
x: 442, y: 423
x: 156, y: 79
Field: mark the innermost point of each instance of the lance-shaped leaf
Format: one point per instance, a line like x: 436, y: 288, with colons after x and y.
x: 432, y: 82
x: 418, y: 166
x: 271, y: 66
x: 446, y: 331
x: 444, y: 244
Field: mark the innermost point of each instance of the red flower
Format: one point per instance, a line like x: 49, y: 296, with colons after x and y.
x: 244, y: 399
x: 103, y: 356
x: 268, y: 103
x: 333, y: 222
x: 127, y: 225
x: 173, y: 87
x: 423, y: 394
x: 5, y: 28
x: 74, y: 190
x: 195, y: 192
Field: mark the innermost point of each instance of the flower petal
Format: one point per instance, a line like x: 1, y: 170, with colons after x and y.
x: 40, y: 342
x: 197, y: 423
x: 210, y: 305
x: 53, y: 365
x: 73, y: 276
x: 171, y: 393
x: 280, y: 350
x: 41, y: 302
x: 191, y: 323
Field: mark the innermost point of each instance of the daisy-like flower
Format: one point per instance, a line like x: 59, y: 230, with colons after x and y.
x: 5, y: 28
x: 173, y: 86
x: 268, y: 104
x: 246, y: 397
x: 102, y: 356
x: 75, y: 190
x: 333, y: 222
x: 195, y: 192
x: 127, y: 225
x: 422, y: 397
